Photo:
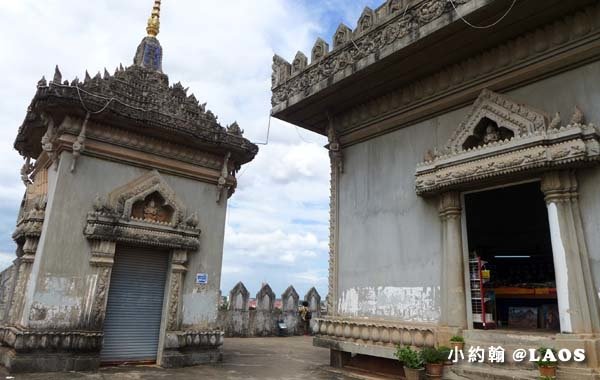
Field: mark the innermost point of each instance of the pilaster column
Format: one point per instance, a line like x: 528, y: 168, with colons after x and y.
x: 102, y: 259
x: 577, y: 297
x: 336, y: 160
x: 453, y: 288
x: 178, y: 270
x: 24, y: 264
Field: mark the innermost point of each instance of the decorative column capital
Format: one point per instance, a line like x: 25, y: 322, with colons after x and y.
x: 29, y: 249
x: 559, y: 186
x: 102, y: 253
x: 179, y: 260
x: 449, y: 205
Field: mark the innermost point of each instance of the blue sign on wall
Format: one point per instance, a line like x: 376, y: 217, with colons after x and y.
x: 202, y: 278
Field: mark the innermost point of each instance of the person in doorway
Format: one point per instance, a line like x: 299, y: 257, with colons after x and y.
x: 305, y: 317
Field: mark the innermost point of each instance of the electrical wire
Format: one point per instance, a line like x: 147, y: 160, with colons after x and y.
x: 302, y: 138
x: 268, y: 132
x: 484, y: 26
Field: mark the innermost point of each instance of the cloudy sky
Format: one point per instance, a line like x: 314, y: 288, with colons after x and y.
x: 277, y: 224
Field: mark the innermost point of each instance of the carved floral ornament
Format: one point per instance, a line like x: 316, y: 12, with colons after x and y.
x: 376, y: 30
x: 501, y: 137
x: 145, y: 211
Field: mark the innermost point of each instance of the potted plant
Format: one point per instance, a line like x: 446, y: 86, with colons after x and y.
x: 445, y: 353
x: 547, y: 362
x: 411, y: 359
x: 457, y: 342
x: 434, y: 362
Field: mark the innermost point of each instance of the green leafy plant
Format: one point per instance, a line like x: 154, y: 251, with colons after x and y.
x: 542, y: 362
x: 432, y: 355
x: 409, y: 357
x: 457, y: 338
x: 444, y: 352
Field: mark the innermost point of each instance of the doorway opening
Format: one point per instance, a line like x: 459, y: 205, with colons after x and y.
x: 134, y: 307
x: 511, y: 267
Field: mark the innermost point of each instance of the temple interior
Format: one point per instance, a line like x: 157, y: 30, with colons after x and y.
x: 511, y: 269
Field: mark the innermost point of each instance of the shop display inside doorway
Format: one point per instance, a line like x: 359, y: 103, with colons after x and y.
x: 511, y: 268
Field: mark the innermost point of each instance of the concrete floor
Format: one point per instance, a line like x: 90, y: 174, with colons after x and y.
x: 243, y: 359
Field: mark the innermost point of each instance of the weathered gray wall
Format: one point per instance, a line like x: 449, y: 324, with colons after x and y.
x: 390, y: 239
x: 7, y: 280
x: 61, y: 296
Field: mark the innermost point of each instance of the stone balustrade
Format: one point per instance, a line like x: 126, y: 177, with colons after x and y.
x: 375, y: 332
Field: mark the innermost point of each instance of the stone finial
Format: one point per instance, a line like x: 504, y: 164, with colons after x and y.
x: 319, y: 50
x: 289, y: 299
x: 314, y: 300
x: 394, y: 6
x: 299, y: 63
x: 42, y: 82
x: 57, y: 76
x: 555, y: 123
x: 282, y: 70
x: 577, y: 117
x: 192, y: 221
x: 235, y: 129
x: 342, y: 35
x: 265, y: 298
x: 366, y: 20
x: 106, y: 74
x: 239, y: 297
x: 87, y: 77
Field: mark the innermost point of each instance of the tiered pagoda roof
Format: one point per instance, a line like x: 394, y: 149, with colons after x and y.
x: 138, y: 98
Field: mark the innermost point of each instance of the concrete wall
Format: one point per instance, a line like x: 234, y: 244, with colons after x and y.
x: 239, y: 320
x: 390, y: 239
x: 62, y: 278
x: 7, y: 280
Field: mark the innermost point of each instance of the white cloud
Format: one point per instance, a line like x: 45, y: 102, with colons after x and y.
x: 277, y: 225
x: 6, y: 260
x: 316, y: 277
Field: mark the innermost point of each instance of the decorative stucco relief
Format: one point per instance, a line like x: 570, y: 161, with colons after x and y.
x: 175, y: 287
x: 144, y: 143
x: 375, y: 32
x: 501, y: 137
x: 145, y: 211
x: 538, y: 45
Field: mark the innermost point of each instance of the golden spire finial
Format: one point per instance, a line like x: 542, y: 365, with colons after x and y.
x: 154, y: 21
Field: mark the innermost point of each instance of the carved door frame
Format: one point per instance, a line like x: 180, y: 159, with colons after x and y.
x: 112, y: 222
x: 535, y: 146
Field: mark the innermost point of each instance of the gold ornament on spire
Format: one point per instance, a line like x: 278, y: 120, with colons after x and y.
x: 154, y: 21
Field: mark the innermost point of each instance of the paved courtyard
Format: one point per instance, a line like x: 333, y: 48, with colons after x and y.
x: 248, y: 359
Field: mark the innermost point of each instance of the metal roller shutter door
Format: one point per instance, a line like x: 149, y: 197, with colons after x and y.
x: 134, y: 308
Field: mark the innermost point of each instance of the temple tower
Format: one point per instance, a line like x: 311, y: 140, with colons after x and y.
x: 120, y: 232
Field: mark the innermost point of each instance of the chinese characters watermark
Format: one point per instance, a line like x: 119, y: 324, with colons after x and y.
x: 496, y: 354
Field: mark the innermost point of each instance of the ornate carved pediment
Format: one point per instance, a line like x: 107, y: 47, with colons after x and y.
x: 145, y: 211
x: 495, y: 118
x: 149, y: 199
x: 501, y: 137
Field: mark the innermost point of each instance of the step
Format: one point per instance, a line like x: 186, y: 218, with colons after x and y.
x: 486, y: 372
x: 500, y: 337
x: 509, y: 341
x: 508, y: 355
